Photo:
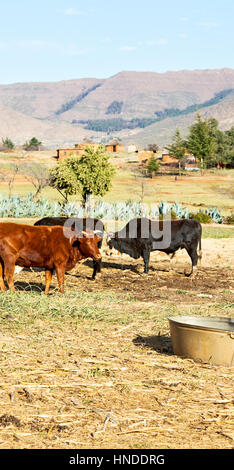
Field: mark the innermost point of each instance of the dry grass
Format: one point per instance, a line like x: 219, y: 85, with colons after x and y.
x: 95, y: 369
x: 214, y: 188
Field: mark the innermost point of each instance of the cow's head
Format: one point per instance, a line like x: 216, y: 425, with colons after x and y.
x: 87, y: 241
x: 113, y: 241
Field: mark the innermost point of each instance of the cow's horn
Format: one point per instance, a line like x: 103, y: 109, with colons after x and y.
x: 109, y: 234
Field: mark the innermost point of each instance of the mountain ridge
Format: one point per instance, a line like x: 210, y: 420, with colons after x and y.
x: 129, y: 95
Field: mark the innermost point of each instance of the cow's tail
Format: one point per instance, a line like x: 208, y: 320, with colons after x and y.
x: 200, y: 248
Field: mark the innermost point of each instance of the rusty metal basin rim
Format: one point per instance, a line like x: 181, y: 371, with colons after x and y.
x: 208, y: 339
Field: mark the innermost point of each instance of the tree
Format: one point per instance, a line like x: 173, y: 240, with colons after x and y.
x: 202, y: 140
x: 178, y: 147
x: 33, y: 144
x: 93, y: 171
x: 37, y: 175
x: 64, y: 179
x: 229, y: 140
x: 152, y: 166
x: 9, y: 176
x: 152, y: 148
x: 8, y: 143
x: 91, y: 174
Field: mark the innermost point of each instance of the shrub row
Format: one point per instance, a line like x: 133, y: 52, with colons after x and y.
x: 17, y: 206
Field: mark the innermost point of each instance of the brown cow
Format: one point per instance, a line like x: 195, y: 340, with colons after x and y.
x: 45, y: 247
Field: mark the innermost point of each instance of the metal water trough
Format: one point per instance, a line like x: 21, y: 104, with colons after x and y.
x: 206, y: 339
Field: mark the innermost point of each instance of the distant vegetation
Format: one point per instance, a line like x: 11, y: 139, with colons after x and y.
x: 70, y: 104
x: 118, y: 124
x: 8, y: 144
x: 32, y: 144
x: 115, y: 107
x: 114, y: 124
x: 207, y: 142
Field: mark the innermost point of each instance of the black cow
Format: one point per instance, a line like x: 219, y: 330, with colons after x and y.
x: 141, y: 236
x: 79, y: 224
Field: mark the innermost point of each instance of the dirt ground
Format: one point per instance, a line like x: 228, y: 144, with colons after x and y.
x: 95, y: 384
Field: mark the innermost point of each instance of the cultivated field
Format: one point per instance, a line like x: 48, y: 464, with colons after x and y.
x: 94, y: 368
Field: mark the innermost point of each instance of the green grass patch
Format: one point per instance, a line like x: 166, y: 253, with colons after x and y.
x: 217, y: 232
x: 21, y: 309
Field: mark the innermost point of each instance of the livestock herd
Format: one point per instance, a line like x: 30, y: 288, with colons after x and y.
x: 58, y: 243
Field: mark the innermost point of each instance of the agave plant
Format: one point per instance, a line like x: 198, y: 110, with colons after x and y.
x: 215, y: 215
x: 17, y: 206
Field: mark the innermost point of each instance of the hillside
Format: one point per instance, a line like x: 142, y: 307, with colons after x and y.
x: 136, y: 106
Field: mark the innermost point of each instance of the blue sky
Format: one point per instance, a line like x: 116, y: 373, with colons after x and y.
x: 54, y: 40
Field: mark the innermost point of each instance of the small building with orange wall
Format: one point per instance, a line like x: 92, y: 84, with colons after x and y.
x: 76, y: 151
x: 115, y: 147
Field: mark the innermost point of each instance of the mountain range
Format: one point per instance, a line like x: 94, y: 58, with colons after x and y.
x: 136, y: 107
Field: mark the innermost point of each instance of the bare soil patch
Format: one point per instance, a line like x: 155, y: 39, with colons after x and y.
x: 99, y: 383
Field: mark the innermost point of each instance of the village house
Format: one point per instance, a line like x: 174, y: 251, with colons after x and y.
x: 76, y: 151
x: 115, y: 147
x: 132, y: 148
x: 145, y: 155
x: 188, y: 163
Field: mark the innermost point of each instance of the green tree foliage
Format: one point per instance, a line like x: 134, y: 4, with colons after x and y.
x: 90, y: 174
x: 202, y: 140
x: 178, y: 147
x: 93, y: 171
x: 153, y: 166
x: 64, y: 179
x: 8, y: 143
x: 33, y: 144
x: 228, y: 151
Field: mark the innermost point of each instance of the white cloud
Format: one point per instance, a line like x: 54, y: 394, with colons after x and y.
x: 72, y: 12
x: 38, y: 44
x: 183, y: 35
x: 157, y: 42
x: 208, y: 24
x: 128, y: 48
x: 149, y: 43
x: 27, y: 44
x: 105, y: 40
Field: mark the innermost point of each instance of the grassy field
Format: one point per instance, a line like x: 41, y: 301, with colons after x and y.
x: 94, y: 368
x: 213, y: 189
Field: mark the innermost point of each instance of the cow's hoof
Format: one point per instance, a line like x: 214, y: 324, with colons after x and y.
x: 192, y: 274
x: 98, y: 276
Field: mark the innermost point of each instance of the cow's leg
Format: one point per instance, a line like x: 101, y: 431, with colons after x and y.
x: 96, y: 268
x: 2, y: 283
x: 192, y: 252
x: 48, y: 279
x: 146, y: 257
x: 9, y: 269
x: 60, y: 271
x: 172, y: 258
x: 97, y: 265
